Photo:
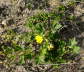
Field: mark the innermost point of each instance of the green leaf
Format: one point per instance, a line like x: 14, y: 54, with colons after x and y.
x: 73, y: 41
x: 22, y: 61
x: 76, y: 49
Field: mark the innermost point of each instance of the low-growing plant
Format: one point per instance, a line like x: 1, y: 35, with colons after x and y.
x: 42, y: 44
x: 49, y: 48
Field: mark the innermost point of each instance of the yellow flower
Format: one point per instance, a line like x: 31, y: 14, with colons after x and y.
x: 50, y: 47
x: 39, y: 39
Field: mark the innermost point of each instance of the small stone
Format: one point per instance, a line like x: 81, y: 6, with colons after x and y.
x: 4, y: 22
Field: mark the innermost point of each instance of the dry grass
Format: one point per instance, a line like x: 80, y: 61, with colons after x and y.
x: 54, y: 3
